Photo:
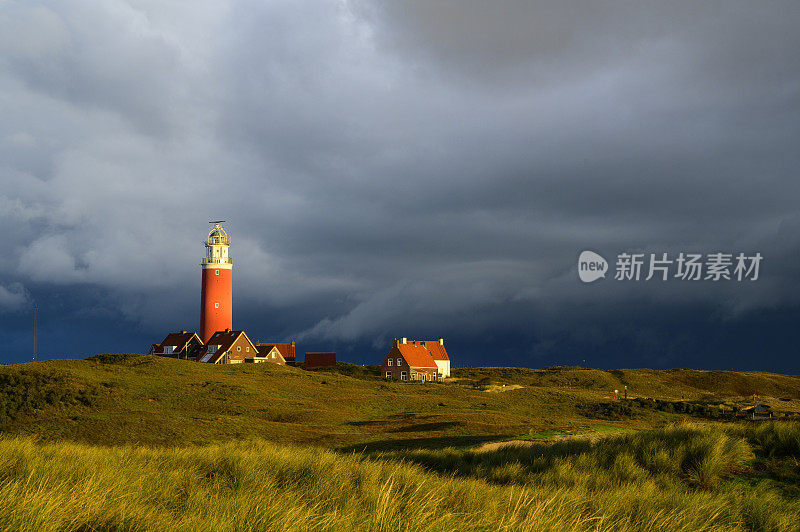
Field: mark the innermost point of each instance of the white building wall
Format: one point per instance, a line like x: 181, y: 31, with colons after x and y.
x: 444, y: 367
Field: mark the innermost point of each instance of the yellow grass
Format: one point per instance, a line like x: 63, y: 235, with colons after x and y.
x: 681, y: 478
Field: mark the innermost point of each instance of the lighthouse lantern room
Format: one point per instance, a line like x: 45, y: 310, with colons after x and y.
x: 216, y: 294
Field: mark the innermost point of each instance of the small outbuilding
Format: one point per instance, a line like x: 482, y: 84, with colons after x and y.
x: 320, y: 360
x: 756, y: 411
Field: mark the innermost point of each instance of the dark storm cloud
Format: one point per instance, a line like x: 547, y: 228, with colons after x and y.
x: 418, y: 168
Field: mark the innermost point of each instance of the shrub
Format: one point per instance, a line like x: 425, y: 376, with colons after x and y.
x: 121, y: 359
x: 777, y: 438
x: 24, y: 392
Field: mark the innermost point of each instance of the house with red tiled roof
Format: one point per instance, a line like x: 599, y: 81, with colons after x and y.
x: 228, y: 347
x: 286, y: 350
x: 177, y: 345
x: 409, y: 361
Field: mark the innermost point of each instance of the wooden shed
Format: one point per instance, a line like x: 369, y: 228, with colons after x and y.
x: 320, y: 360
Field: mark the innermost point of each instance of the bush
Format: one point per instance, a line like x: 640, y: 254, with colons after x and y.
x: 24, y: 392
x: 777, y: 438
x: 120, y: 359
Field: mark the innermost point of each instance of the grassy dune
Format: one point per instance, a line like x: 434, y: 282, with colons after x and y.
x: 687, y: 477
x: 116, y: 399
x: 141, y: 443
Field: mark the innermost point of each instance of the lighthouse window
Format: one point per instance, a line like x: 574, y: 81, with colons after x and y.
x: 216, y: 272
x: 216, y: 305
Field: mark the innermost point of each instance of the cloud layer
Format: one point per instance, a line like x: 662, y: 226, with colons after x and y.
x: 400, y: 168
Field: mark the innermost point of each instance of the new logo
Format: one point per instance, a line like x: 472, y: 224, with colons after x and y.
x: 591, y: 266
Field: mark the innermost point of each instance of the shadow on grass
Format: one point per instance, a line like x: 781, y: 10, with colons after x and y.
x: 459, y: 442
x: 368, y: 423
x: 693, y: 455
x: 420, y: 427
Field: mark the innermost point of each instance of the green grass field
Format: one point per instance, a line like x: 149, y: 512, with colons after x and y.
x: 121, y: 442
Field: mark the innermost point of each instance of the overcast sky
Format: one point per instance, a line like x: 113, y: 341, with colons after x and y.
x: 422, y: 169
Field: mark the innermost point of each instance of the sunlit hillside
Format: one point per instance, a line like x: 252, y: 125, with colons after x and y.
x: 124, y: 442
x: 113, y: 399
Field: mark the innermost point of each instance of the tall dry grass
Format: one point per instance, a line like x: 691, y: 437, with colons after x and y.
x: 701, y: 456
x: 644, y: 478
x: 252, y: 486
x: 776, y: 439
x: 673, y: 479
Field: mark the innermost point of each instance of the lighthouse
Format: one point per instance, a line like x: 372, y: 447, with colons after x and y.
x: 216, y: 293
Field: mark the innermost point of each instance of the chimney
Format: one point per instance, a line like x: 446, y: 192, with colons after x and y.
x: 441, y: 342
x: 403, y: 340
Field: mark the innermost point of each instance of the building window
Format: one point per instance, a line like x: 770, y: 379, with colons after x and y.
x: 399, y: 362
x: 216, y: 272
x: 390, y: 363
x: 273, y: 355
x: 216, y: 305
x: 238, y: 348
x: 403, y: 376
x: 247, y: 349
x: 388, y: 374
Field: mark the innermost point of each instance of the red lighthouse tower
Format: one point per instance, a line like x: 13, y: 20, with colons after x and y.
x: 216, y: 294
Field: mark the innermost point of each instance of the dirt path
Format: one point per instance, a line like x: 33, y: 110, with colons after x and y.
x: 493, y: 446
x: 502, y: 388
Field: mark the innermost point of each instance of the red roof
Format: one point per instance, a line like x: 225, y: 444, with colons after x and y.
x: 286, y: 349
x: 416, y: 356
x: 436, y: 349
